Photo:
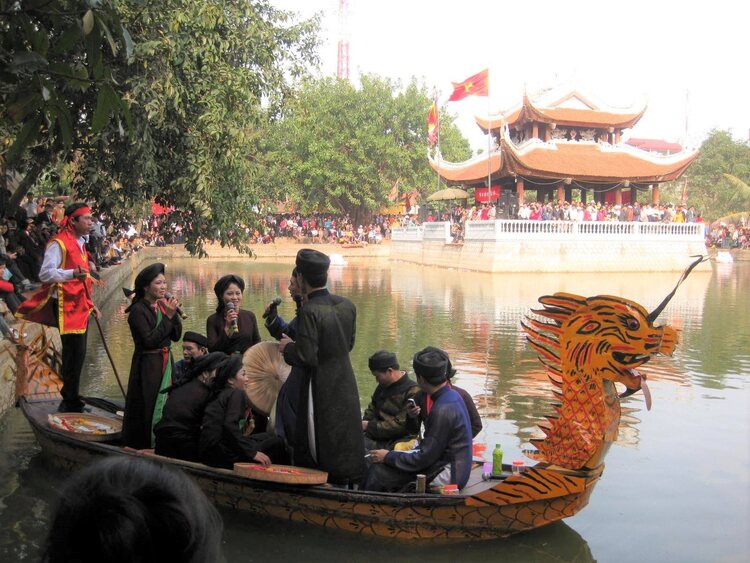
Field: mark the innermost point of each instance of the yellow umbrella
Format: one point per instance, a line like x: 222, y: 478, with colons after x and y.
x: 266, y: 372
x: 448, y: 193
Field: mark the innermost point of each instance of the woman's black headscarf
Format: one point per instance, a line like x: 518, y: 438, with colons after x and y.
x: 142, y: 281
x: 226, y: 371
x: 222, y: 285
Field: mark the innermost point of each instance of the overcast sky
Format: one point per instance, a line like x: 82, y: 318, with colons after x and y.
x: 689, y: 60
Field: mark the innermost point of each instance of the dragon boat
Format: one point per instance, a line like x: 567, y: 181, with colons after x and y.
x: 588, y: 345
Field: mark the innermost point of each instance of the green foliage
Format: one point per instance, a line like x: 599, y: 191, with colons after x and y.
x: 205, y: 78
x: 341, y: 149
x: 718, y: 179
x: 53, y: 67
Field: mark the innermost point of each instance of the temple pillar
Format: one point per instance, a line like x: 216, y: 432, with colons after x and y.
x: 618, y: 196
x: 633, y: 195
x: 560, y: 192
x: 617, y: 137
x: 583, y: 196
x: 568, y: 194
x: 520, y: 192
x: 654, y: 194
x: 535, y: 131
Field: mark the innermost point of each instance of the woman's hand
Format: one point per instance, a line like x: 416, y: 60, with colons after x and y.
x: 170, y: 306
x: 263, y: 459
x: 230, y: 317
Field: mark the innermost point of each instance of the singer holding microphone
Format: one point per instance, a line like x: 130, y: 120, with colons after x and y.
x: 231, y: 329
x: 154, y: 324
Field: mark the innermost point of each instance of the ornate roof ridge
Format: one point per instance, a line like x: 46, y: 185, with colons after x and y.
x: 553, y: 99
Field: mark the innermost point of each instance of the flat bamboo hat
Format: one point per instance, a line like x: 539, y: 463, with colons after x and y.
x: 266, y: 372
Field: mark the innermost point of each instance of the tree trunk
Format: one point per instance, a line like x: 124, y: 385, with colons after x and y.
x: 29, y: 180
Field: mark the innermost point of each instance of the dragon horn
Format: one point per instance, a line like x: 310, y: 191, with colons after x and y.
x: 656, y: 312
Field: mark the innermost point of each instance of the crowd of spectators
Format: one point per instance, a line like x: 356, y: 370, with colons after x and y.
x: 24, y: 237
x: 326, y: 228
x: 727, y: 235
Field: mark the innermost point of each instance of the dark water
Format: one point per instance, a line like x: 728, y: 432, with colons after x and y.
x: 676, y: 485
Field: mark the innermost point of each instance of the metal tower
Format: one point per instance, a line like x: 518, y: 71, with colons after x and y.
x: 342, y: 63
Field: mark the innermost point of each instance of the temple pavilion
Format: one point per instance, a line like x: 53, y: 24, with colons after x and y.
x: 559, y: 142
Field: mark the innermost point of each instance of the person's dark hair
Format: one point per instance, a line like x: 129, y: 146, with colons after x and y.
x: 226, y: 371
x: 3, y: 260
x: 126, y: 509
x: 316, y: 280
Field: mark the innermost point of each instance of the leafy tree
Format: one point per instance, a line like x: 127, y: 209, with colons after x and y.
x: 58, y: 87
x: 342, y: 149
x: 206, y: 78
x: 176, y: 118
x: 718, y: 179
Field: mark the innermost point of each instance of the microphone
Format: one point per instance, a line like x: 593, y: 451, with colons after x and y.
x: 235, y: 328
x: 168, y: 296
x: 272, y: 307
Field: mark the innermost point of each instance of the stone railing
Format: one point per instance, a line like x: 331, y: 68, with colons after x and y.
x: 553, y: 230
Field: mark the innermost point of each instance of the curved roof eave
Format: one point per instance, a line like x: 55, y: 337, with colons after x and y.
x: 591, y: 161
x: 468, y: 170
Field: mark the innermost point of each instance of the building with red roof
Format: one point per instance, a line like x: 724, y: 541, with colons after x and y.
x: 564, y: 140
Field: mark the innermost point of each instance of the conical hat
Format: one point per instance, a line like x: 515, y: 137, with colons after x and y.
x: 266, y: 372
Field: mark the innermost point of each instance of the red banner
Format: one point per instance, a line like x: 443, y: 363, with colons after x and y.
x: 432, y: 124
x: 484, y: 195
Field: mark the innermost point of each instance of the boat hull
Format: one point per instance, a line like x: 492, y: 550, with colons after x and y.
x: 485, y: 515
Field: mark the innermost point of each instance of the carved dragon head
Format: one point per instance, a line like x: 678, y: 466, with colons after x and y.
x: 603, y: 337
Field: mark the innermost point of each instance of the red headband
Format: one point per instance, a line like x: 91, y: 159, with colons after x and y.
x: 77, y: 213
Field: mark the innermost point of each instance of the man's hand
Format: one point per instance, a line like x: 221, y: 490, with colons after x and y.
x: 79, y: 273
x: 412, y: 410
x: 97, y: 313
x: 364, y: 425
x: 263, y: 459
x: 377, y: 456
x: 285, y: 340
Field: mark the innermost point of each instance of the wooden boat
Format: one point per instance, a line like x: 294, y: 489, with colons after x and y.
x: 587, y: 345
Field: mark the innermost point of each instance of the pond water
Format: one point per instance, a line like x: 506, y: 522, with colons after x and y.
x: 676, y: 485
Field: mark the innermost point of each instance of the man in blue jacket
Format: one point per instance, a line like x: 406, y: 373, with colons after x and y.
x: 445, y: 453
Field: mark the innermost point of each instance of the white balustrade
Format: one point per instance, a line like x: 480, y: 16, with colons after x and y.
x: 553, y: 230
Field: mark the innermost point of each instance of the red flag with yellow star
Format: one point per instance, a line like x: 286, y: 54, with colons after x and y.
x: 477, y: 85
x: 432, y: 123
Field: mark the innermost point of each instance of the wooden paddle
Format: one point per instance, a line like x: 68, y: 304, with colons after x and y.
x: 104, y: 341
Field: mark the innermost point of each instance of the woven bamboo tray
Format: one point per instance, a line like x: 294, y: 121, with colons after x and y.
x: 85, y: 426
x: 281, y: 474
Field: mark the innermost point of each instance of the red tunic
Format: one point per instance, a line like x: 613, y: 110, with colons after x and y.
x: 73, y: 303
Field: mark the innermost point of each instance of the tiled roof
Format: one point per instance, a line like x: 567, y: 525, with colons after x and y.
x: 592, y: 161
x: 654, y: 145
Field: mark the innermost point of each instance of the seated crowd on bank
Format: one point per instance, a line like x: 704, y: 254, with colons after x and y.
x: 200, y: 408
x: 25, y: 236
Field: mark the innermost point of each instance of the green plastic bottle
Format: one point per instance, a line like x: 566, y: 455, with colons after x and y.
x: 497, y: 460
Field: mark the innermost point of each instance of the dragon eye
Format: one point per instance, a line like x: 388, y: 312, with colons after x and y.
x: 632, y: 324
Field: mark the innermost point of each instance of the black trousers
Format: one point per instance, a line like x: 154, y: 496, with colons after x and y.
x: 73, y: 356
